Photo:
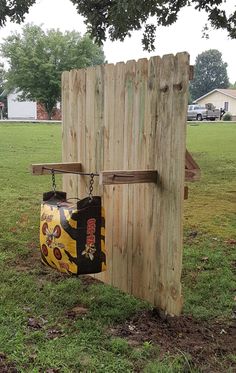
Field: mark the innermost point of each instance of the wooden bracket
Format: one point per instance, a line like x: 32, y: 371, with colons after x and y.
x: 192, y: 170
x: 127, y: 177
x: 107, y: 177
x: 185, y: 192
x: 192, y: 173
x: 45, y: 169
x: 191, y: 72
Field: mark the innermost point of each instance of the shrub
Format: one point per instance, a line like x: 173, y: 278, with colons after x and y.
x: 227, y: 117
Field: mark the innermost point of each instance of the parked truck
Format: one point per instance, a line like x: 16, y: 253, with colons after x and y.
x: 207, y: 112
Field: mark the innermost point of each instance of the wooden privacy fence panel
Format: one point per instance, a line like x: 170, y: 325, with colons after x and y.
x: 132, y: 116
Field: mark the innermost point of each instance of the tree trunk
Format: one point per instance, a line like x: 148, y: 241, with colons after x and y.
x: 49, y: 115
x: 49, y: 106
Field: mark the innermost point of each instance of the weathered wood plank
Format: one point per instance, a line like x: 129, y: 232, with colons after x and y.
x: 90, y: 133
x: 119, y: 270
x: 151, y: 198
x: 45, y: 168
x: 191, y: 72
x: 81, y: 128
x: 186, y: 192
x: 192, y: 169
x: 163, y: 159
x: 95, y: 98
x: 127, y: 177
x: 139, y: 252
x: 108, y: 134
x: 65, y: 125
x: 107, y: 78
x: 192, y: 175
x: 174, y: 221
x: 129, y: 92
x: 72, y: 136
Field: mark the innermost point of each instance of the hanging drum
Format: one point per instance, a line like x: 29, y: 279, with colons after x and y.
x: 72, y: 236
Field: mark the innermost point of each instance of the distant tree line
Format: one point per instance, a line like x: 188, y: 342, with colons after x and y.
x: 210, y: 72
x: 37, y: 59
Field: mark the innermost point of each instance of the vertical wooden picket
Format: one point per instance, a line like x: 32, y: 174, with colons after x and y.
x: 109, y: 117
x: 119, y: 249
x: 70, y: 116
x: 81, y: 127
x: 132, y: 117
x: 130, y: 71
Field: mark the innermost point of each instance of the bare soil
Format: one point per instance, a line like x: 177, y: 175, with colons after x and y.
x: 5, y: 366
x: 206, y: 345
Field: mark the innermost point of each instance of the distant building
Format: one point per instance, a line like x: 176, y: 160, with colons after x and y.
x: 2, y: 106
x: 28, y: 110
x: 20, y: 109
x: 221, y: 99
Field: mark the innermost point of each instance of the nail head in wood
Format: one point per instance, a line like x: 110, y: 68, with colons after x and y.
x: 127, y: 177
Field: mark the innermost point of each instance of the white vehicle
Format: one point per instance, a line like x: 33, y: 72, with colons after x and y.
x: 197, y: 112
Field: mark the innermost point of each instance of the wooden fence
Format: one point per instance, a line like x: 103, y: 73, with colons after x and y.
x: 132, y: 116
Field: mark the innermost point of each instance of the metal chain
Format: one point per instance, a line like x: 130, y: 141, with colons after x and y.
x: 53, y: 181
x: 69, y: 172
x: 91, y: 186
x: 91, y: 182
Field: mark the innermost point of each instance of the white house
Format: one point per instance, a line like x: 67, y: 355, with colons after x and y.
x: 220, y: 98
x: 29, y: 110
x: 20, y: 109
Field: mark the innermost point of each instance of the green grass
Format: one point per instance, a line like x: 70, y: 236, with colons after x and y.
x: 35, y: 329
x: 210, y: 214
x: 211, y: 206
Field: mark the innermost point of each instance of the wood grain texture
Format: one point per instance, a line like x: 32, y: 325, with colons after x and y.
x: 127, y: 177
x: 119, y: 251
x: 108, y: 161
x: 128, y: 162
x: 192, y: 169
x: 81, y: 128
x: 132, y: 116
x: 45, y: 168
x: 65, y: 125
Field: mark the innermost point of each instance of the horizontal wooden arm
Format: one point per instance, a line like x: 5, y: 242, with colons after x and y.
x: 127, y: 177
x: 46, y: 168
x: 109, y: 177
x: 192, y: 175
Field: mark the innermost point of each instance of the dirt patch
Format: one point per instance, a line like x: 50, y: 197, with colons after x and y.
x: 207, y: 344
x: 27, y: 261
x: 31, y: 262
x: 5, y: 366
x: 87, y: 280
x: 77, y: 312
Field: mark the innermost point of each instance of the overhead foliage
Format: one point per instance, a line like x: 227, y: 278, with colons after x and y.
x: 210, y: 72
x: 14, y: 10
x: 37, y: 59
x: 120, y: 17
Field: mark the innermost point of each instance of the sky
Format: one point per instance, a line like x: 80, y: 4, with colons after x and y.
x: 184, y: 35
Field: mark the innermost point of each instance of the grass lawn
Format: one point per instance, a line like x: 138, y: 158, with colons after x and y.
x: 51, y: 323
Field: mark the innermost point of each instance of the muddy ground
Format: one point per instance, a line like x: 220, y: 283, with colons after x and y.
x: 205, y: 345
